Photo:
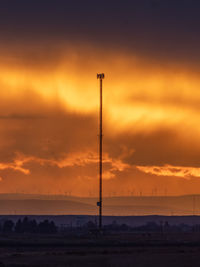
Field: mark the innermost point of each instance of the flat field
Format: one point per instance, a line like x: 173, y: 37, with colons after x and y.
x: 136, y: 250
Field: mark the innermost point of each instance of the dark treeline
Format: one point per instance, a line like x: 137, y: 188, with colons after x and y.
x: 28, y: 226
x: 149, y: 227
x: 153, y: 227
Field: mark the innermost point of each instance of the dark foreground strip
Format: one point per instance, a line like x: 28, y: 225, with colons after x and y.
x: 100, y: 244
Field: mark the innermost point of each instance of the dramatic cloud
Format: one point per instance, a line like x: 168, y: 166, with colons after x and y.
x: 156, y: 29
x: 168, y: 170
x: 49, y: 95
x: 70, y: 160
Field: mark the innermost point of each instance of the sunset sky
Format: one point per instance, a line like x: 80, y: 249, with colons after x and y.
x: 50, y: 53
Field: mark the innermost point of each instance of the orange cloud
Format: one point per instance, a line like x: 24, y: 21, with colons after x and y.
x: 71, y: 160
x: 47, y: 111
x: 17, y: 165
x: 166, y: 94
x: 169, y: 170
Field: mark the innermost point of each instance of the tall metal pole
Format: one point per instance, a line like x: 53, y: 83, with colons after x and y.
x: 101, y: 77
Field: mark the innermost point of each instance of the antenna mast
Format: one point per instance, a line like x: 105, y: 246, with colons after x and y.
x: 99, y: 204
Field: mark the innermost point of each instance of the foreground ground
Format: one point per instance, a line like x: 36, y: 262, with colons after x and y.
x: 108, y: 251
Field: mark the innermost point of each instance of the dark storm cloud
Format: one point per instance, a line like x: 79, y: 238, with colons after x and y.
x: 32, y: 126
x: 157, y: 148
x: 155, y: 28
x: 38, y: 132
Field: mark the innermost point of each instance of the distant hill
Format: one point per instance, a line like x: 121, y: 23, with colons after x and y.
x: 116, y: 206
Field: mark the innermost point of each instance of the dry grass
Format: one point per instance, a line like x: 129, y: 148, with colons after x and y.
x: 101, y: 254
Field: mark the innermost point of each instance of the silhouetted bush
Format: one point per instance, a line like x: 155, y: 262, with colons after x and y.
x: 8, y: 226
x: 47, y: 227
x: 90, y: 225
x: 117, y: 227
x: 18, y: 227
x: 31, y: 226
x: 26, y: 226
